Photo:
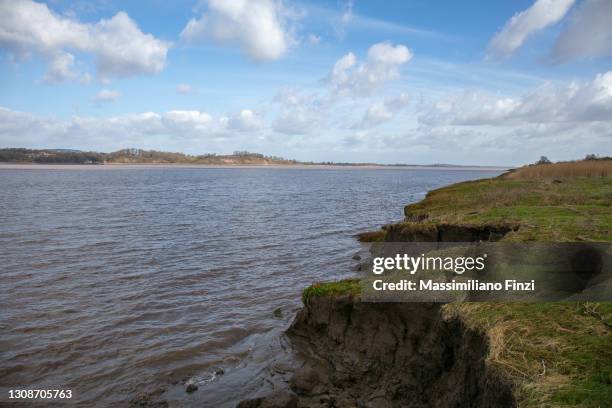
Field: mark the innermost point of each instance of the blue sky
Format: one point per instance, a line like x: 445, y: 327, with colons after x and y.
x: 404, y: 81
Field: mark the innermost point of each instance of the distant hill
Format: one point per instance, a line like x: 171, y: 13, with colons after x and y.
x: 140, y: 156
x: 134, y: 156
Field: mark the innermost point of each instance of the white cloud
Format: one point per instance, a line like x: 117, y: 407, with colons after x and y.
x: 346, y: 17
x: 340, y: 73
x: 119, y: 47
x: 61, y: 68
x: 184, y: 88
x: 347, y: 14
x: 245, y: 121
x: 289, y: 97
x: 300, y: 113
x: 387, y: 53
x: 257, y: 26
x: 382, y: 65
x: 139, y: 129
x: 575, y: 102
x: 297, y: 121
x: 492, y: 145
x: 194, y: 118
x: 383, y: 111
x: 107, y: 95
x: 314, y: 39
x: 588, y: 33
x: 562, y: 121
x: 123, y: 50
x: 377, y: 113
x: 540, y: 15
x: 85, y: 79
x: 179, y: 122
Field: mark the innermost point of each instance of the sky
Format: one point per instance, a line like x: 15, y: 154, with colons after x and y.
x: 408, y: 81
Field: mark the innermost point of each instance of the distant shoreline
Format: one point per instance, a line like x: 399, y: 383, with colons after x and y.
x: 121, y: 166
x: 139, y: 158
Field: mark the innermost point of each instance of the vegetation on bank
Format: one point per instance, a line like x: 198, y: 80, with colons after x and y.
x: 546, y: 209
x: 371, y: 236
x: 134, y: 156
x: 593, y: 167
x: 342, y: 287
x: 558, y: 354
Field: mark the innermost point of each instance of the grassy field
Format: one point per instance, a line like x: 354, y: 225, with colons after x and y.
x: 553, y: 210
x: 558, y: 354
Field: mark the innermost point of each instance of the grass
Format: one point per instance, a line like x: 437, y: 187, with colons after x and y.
x: 346, y: 286
x: 584, y: 168
x: 558, y: 354
x: 572, y: 210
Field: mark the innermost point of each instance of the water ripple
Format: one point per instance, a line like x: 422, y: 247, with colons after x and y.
x: 119, y: 281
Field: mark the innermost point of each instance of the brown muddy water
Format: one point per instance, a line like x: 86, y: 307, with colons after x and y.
x: 138, y: 280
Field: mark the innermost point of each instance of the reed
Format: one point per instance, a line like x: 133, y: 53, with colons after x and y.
x: 563, y: 170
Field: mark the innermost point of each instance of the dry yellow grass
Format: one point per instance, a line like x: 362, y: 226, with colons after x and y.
x: 585, y: 168
x: 557, y: 354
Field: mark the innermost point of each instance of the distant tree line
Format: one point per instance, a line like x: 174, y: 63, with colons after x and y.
x: 50, y: 156
x: 22, y: 155
x: 246, y: 153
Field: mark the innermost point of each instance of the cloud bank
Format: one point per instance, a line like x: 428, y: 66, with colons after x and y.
x: 588, y: 33
x: 575, y: 102
x: 119, y: 47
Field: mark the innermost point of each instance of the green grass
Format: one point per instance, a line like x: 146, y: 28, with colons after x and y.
x: 570, y: 210
x: 347, y: 286
x: 592, y: 392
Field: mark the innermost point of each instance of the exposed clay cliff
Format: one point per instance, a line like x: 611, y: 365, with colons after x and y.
x: 422, y: 231
x: 387, y: 355
x: 391, y: 355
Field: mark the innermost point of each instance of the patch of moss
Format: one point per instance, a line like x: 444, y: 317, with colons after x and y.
x: 346, y: 286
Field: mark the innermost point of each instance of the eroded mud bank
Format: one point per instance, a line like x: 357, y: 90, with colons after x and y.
x: 387, y: 355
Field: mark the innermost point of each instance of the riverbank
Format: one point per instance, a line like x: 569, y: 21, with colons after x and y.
x: 476, y: 354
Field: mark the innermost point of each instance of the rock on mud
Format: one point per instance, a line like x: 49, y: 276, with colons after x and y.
x: 191, y: 387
